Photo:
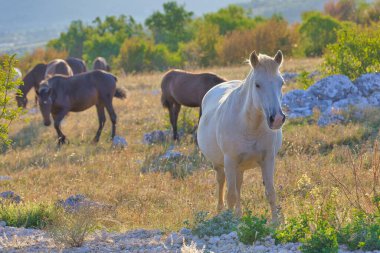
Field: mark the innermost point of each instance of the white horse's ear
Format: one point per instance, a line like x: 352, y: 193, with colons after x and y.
x: 254, y: 59
x: 278, y: 57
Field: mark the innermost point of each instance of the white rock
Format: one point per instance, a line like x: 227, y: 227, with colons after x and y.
x: 368, y: 83
x: 119, y: 142
x: 374, y: 99
x: 331, y: 116
x: 333, y: 88
x: 299, y: 103
x: 214, y: 240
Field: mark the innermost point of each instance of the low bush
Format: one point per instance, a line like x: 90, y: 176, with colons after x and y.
x: 252, y: 228
x: 223, y: 223
x: 322, y: 240
x: 28, y: 215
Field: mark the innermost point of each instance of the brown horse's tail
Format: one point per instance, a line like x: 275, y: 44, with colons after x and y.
x: 164, y: 101
x: 120, y: 93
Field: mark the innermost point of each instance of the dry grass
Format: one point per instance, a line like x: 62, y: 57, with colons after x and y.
x: 41, y: 173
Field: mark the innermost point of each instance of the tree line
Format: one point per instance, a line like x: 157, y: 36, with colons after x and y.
x: 173, y: 37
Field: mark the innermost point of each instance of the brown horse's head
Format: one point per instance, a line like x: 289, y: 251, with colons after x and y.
x: 45, y: 102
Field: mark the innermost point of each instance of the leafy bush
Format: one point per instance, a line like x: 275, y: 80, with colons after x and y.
x: 223, y: 223
x: 362, y: 233
x: 294, y: 230
x: 8, y: 86
x: 138, y: 54
x: 356, y: 52
x: 305, y: 80
x: 317, y: 31
x: 267, y: 38
x: 252, y: 228
x: 322, y: 240
x: 29, y: 215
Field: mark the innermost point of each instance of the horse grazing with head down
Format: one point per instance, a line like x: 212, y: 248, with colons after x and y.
x: 184, y: 88
x: 31, y: 80
x: 241, y: 128
x: 101, y: 64
x: 77, y: 65
x: 61, y: 94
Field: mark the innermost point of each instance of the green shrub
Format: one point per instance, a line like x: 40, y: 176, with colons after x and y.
x: 317, y: 31
x: 356, y: 52
x: 29, y: 215
x: 322, y: 240
x: 294, y: 230
x: 362, y: 233
x: 304, y: 80
x: 223, y: 223
x: 252, y: 228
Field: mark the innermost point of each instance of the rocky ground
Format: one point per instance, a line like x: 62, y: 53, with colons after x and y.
x: 33, y: 240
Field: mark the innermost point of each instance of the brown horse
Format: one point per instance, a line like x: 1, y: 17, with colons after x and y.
x: 31, y: 79
x: 58, y: 66
x: 61, y: 94
x: 77, y: 65
x: 185, y: 88
x: 101, y: 64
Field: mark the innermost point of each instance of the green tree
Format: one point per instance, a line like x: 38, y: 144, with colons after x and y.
x: 172, y: 26
x: 8, y: 86
x: 231, y: 18
x: 73, y: 40
x: 317, y: 31
x: 108, y: 36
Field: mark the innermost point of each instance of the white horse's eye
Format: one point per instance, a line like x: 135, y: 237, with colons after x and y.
x: 257, y: 85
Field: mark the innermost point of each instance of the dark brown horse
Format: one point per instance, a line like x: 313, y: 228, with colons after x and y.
x: 101, y: 64
x: 61, y: 94
x: 31, y: 80
x: 58, y: 66
x: 184, y: 88
x: 77, y: 65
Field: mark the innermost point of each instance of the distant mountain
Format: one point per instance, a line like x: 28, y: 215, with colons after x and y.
x: 291, y: 10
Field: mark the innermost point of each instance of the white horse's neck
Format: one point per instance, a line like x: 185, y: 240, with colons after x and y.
x: 252, y: 112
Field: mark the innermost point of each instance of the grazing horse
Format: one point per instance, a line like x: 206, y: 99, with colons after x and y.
x: 58, y: 66
x: 241, y: 128
x: 77, y: 65
x: 184, y: 88
x: 101, y: 64
x: 31, y: 79
x: 61, y: 94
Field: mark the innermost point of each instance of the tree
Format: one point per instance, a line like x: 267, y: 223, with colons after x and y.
x: 317, y: 31
x: 108, y: 36
x: 231, y: 18
x: 73, y: 40
x: 171, y: 27
x: 8, y: 86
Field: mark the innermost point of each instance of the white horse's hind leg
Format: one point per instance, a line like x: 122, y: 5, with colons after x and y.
x: 230, y: 169
x: 221, y: 179
x: 267, y: 170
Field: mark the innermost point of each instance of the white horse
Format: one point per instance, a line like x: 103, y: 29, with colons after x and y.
x: 240, y: 128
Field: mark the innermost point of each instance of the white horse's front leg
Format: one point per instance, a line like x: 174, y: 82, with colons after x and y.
x: 267, y: 169
x: 221, y: 179
x: 231, y: 169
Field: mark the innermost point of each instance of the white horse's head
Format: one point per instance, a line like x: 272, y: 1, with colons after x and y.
x: 266, y: 83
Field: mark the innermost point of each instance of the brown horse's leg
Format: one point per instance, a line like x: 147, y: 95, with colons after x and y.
x: 113, y: 117
x: 102, y: 120
x: 57, y: 125
x: 174, y: 112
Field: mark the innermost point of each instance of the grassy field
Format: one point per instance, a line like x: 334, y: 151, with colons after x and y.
x: 309, y: 162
